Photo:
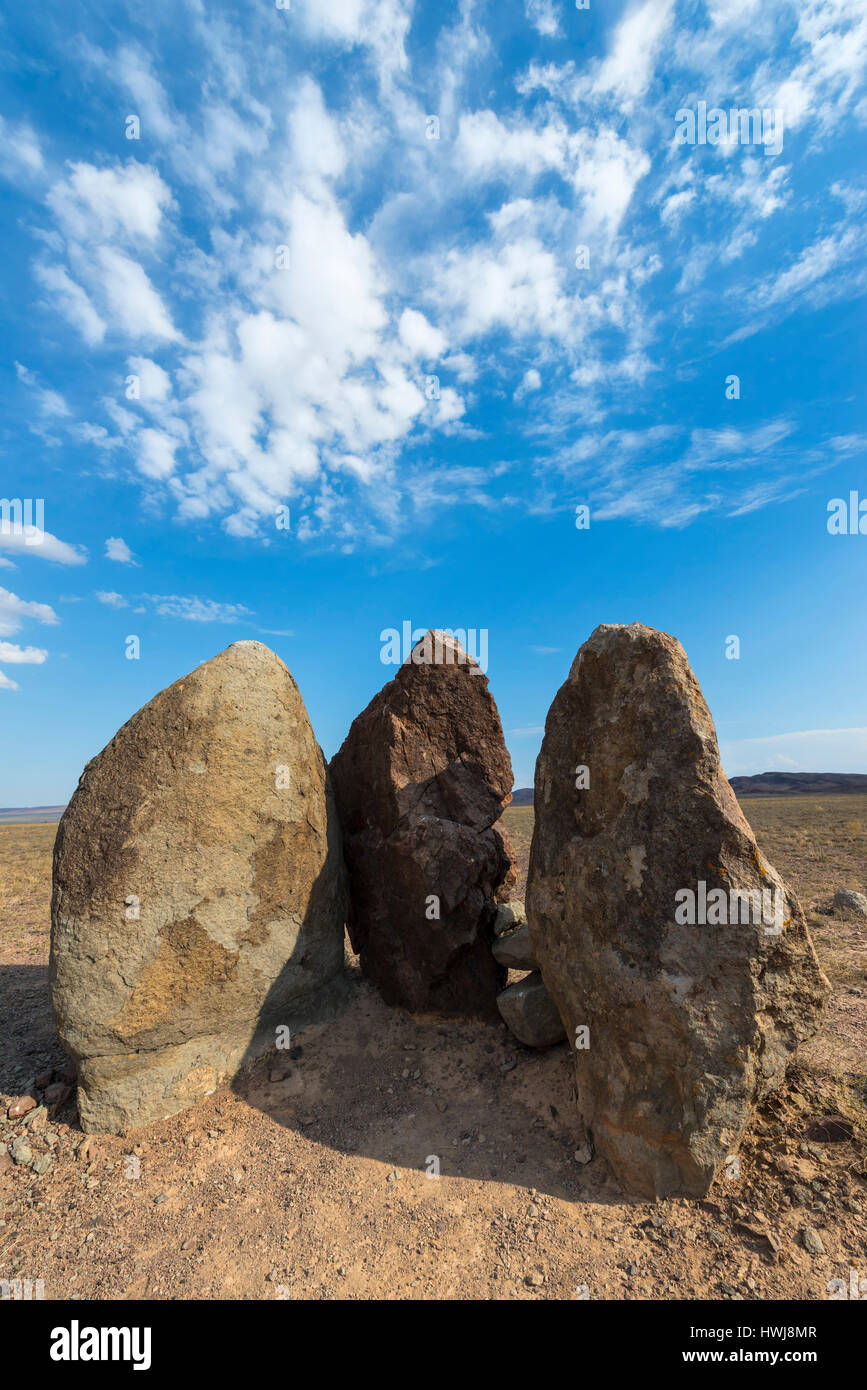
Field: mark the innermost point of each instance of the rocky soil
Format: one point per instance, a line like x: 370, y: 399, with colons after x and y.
x: 310, y: 1179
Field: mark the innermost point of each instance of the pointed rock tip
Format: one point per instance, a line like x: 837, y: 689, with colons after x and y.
x: 447, y: 642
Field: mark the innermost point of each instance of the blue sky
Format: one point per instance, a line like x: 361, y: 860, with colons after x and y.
x: 296, y: 289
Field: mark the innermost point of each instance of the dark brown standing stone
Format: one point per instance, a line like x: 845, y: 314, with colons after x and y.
x: 689, y: 1025
x: 420, y: 784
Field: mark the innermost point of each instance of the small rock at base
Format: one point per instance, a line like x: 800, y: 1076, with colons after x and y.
x: 509, y: 917
x: 529, y: 1011
x: 812, y: 1241
x: 848, y: 901
x: 21, y: 1106
x: 515, y: 950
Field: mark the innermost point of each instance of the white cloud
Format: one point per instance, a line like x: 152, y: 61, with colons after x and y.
x: 408, y: 256
x: 608, y: 170
x: 15, y: 611
x: 197, y: 610
x: 530, y: 381
x: 654, y: 475
x: 486, y: 146
x: 156, y: 453
x: 131, y: 298
x: 155, y: 384
x: 20, y: 656
x: 116, y: 548
x: 48, y: 402
x: 676, y: 205
x: 72, y: 301
x: 94, y: 205
x: 627, y: 69
x: 111, y: 598
x: 20, y: 151
x: 42, y: 546
x: 421, y: 338
x: 381, y: 25
x: 514, y: 283
x: 544, y: 17
x: 814, y: 263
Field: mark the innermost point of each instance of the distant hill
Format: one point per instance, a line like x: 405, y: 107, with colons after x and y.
x: 769, y: 784
x: 522, y: 796
x: 800, y: 784
x: 26, y: 815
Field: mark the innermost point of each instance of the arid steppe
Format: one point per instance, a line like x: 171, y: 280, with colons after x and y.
x: 309, y: 1177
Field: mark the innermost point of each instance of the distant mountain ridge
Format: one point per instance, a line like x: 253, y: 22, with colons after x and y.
x: 799, y: 783
x: 522, y: 796
x: 769, y: 784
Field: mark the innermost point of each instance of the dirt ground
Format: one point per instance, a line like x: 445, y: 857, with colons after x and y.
x: 316, y: 1184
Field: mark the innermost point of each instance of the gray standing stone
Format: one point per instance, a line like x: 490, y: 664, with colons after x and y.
x: 689, y: 1025
x: 199, y: 891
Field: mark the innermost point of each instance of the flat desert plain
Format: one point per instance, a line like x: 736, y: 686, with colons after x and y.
x: 309, y: 1177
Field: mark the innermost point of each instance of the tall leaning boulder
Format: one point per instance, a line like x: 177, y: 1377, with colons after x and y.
x: 198, y: 891
x: 421, y: 782
x: 659, y: 927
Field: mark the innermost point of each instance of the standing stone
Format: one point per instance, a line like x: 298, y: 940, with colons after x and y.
x: 689, y: 1025
x: 198, y: 891
x: 421, y: 782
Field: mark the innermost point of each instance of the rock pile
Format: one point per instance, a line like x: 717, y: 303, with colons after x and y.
x: 198, y: 891
x: 679, y: 961
x: 421, y: 782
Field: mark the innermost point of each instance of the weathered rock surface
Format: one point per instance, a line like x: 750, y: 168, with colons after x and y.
x: 689, y: 1025
x: 849, y: 901
x: 199, y: 891
x: 420, y: 783
x: 530, y: 1013
x: 515, y: 950
x: 509, y: 917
